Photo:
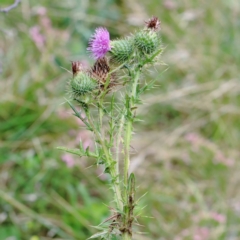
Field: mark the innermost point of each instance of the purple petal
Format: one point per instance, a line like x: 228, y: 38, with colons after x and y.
x: 99, y: 44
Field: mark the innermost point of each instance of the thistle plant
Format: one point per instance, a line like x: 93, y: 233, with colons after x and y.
x: 108, y: 95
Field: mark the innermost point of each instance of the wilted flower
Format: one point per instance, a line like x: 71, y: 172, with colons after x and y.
x: 153, y: 24
x: 99, y: 44
x: 76, y: 67
x: 100, y: 71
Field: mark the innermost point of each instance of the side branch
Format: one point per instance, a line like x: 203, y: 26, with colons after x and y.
x: 9, y: 8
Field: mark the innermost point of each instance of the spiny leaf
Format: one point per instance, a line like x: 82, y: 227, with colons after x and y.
x: 137, y: 119
x: 79, y: 152
x: 78, y: 114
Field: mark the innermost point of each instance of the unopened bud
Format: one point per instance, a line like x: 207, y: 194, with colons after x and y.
x: 121, y: 50
x: 147, y: 41
x: 81, y: 84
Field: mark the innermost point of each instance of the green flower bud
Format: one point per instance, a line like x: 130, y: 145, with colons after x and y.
x: 147, y: 41
x: 81, y: 84
x: 121, y: 50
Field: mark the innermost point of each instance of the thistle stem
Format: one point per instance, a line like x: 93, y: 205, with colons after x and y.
x: 119, y: 137
x: 109, y: 161
x: 100, y: 113
x: 126, y: 236
x: 130, y: 101
x: 128, y: 132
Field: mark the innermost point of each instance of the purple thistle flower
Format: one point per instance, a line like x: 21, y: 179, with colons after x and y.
x: 99, y: 44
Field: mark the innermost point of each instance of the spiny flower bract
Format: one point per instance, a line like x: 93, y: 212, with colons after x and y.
x: 99, y: 44
x: 121, y: 50
x: 81, y: 82
x: 147, y: 41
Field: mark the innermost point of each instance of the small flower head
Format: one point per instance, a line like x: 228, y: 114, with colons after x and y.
x: 99, y: 44
x: 153, y: 24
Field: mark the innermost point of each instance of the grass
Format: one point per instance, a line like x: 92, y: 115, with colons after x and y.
x: 185, y: 152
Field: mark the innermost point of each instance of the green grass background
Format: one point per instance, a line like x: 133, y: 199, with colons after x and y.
x: 185, y: 152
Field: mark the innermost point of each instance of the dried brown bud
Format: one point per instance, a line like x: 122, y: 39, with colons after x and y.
x: 153, y: 24
x: 100, y: 72
x: 76, y: 67
x: 100, y: 69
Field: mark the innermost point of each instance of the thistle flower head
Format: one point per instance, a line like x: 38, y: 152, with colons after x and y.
x: 153, y: 24
x: 99, y: 44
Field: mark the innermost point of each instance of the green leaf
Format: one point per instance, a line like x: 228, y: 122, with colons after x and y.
x: 79, y: 152
x: 73, y: 151
x: 78, y: 115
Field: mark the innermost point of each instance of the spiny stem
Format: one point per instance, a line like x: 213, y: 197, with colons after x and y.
x: 109, y: 161
x: 128, y: 132
x: 126, y: 236
x: 130, y: 101
x: 119, y: 136
x: 100, y: 113
x: 127, y: 140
